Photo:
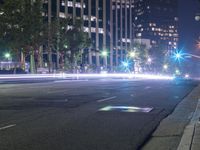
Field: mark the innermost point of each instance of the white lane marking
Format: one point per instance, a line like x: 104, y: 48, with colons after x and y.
x: 63, y: 81
x: 176, y: 97
x: 147, y: 87
x: 106, y: 99
x: 132, y: 95
x: 8, y: 126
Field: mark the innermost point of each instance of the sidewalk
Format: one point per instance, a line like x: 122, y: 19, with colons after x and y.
x: 181, y: 129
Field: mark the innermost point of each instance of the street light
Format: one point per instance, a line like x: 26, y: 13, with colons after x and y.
x: 65, y: 46
x: 7, y: 55
x: 165, y: 67
x: 132, y: 54
x: 125, y: 64
x: 180, y: 55
x: 104, y: 53
x: 197, y: 17
x: 149, y: 60
x: 177, y: 72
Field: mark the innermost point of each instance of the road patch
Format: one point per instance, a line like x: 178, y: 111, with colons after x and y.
x: 127, y: 109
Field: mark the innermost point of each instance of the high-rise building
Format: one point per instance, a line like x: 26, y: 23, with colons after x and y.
x: 157, y: 20
x: 95, y: 22
x: 121, y: 22
x: 109, y: 23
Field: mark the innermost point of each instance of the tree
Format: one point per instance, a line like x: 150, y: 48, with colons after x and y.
x: 76, y: 40
x: 158, y: 55
x: 21, y: 26
x: 140, y: 54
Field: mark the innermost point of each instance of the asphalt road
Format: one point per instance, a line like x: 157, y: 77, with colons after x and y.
x: 66, y: 115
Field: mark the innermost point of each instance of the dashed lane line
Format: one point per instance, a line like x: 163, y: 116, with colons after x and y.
x: 106, y: 99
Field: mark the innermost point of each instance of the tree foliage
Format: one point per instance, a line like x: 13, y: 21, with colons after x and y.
x: 141, y: 53
x: 21, y: 24
x: 76, y: 40
x: 22, y: 27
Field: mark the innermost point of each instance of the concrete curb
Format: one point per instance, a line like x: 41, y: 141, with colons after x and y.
x: 169, y: 133
x: 189, y: 139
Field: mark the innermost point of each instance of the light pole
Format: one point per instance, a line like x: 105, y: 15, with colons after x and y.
x: 180, y: 55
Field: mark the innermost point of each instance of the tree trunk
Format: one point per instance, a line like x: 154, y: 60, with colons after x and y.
x: 40, y: 57
x: 32, y: 62
x: 50, y: 60
x: 72, y: 61
x: 23, y: 61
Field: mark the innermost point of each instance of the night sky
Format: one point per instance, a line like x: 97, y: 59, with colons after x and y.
x: 189, y: 29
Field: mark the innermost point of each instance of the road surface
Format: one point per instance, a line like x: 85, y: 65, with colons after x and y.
x: 85, y: 115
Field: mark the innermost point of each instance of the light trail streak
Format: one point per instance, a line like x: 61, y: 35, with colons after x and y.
x: 88, y: 76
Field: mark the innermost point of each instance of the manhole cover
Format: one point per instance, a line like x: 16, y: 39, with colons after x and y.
x: 127, y: 109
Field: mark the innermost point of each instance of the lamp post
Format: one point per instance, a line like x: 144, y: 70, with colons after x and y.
x: 182, y: 55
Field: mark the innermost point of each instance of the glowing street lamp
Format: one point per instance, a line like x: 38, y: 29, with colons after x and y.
x: 125, y: 64
x: 149, y: 60
x: 177, y: 71
x: 7, y: 55
x: 104, y: 53
x: 132, y: 54
x: 165, y: 67
x: 197, y: 18
x: 65, y: 46
x: 178, y: 55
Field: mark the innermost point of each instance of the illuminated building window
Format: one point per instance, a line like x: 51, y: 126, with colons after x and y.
x: 70, y: 4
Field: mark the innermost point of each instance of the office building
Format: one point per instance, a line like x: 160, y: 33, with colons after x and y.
x: 157, y: 20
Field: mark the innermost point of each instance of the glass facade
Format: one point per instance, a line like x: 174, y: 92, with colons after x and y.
x: 157, y: 20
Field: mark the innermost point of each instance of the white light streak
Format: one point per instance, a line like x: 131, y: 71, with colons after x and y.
x: 6, y: 127
x: 79, y: 76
